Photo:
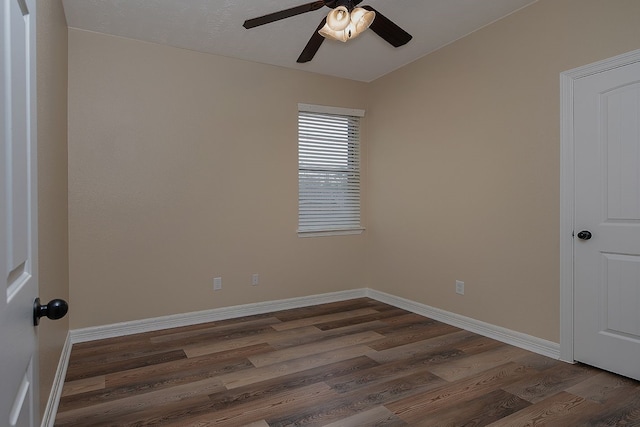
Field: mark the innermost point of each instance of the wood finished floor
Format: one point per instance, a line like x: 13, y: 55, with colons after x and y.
x: 351, y: 363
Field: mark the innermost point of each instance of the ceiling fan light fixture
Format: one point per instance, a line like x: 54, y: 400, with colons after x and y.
x: 342, y: 25
x: 345, y: 21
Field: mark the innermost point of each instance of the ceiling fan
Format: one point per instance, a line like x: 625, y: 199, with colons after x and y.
x: 343, y: 11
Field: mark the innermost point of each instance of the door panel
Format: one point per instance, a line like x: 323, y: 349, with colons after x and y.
x: 621, y: 133
x: 18, y: 179
x: 607, y: 203
x: 620, y: 296
x: 18, y: 216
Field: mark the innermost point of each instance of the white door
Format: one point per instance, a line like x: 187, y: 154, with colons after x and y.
x: 18, y: 219
x: 607, y: 205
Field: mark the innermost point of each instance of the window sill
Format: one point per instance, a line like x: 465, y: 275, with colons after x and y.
x: 326, y: 233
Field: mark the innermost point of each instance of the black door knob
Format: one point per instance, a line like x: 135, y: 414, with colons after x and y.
x: 584, y: 235
x: 55, y: 309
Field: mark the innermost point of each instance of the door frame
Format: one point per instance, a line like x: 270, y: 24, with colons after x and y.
x: 567, y: 191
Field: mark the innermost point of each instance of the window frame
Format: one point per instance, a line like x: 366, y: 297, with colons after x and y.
x: 330, y: 230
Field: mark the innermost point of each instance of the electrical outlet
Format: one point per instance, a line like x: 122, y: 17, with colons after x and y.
x: 459, y: 287
x: 217, y: 283
x: 255, y: 279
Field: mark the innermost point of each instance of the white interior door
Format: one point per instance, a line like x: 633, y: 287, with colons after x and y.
x: 607, y: 204
x: 18, y: 216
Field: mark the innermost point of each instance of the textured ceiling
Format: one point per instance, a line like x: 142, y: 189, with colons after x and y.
x: 215, y: 26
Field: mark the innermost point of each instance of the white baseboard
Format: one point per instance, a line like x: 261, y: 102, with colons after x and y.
x: 194, y: 318
x: 528, y: 342
x: 50, y: 411
x: 518, y: 339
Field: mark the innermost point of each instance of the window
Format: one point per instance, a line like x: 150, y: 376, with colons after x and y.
x: 328, y: 170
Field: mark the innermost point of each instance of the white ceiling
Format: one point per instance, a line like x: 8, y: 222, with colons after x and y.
x: 215, y: 26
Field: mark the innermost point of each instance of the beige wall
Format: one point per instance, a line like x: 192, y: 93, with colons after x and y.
x: 53, y: 268
x: 464, y: 163
x: 183, y: 167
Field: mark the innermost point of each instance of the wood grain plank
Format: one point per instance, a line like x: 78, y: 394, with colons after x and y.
x: 603, y: 387
x: 302, y: 339
x: 236, y: 343
x: 145, y: 385
x: 310, y: 349
x: 624, y: 411
x: 261, y: 409
x: 85, y: 371
x: 554, y: 411
x: 539, y: 362
x: 241, y: 395
x: 242, y: 378
x: 238, y: 398
x: 398, y: 337
x: 83, y: 386
x: 546, y: 383
x: 322, y: 309
x: 308, y: 321
x: 114, y: 409
x: 464, y: 367
x: 378, y: 315
x: 227, y: 331
x: 405, y: 337
x: 417, y: 407
x: 345, y: 405
x: 479, y: 344
x: 86, y: 350
x: 478, y: 411
x: 448, y: 341
x: 407, y: 318
x: 378, y: 416
x: 211, y: 364
x: 394, y: 370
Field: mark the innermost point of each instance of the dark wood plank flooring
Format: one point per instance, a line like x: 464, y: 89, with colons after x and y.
x: 351, y: 363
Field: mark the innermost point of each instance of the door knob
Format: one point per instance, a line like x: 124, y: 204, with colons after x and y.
x: 55, y: 309
x: 584, y: 235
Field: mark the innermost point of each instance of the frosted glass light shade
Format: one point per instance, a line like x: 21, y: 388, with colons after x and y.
x: 362, y: 19
x: 338, y: 19
x: 328, y: 33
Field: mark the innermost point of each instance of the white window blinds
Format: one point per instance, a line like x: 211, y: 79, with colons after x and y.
x: 328, y: 171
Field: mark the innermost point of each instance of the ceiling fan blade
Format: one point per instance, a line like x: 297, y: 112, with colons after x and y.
x: 389, y: 31
x: 287, y: 13
x: 313, y: 44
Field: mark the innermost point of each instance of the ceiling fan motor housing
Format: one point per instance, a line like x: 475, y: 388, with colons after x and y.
x: 349, y: 4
